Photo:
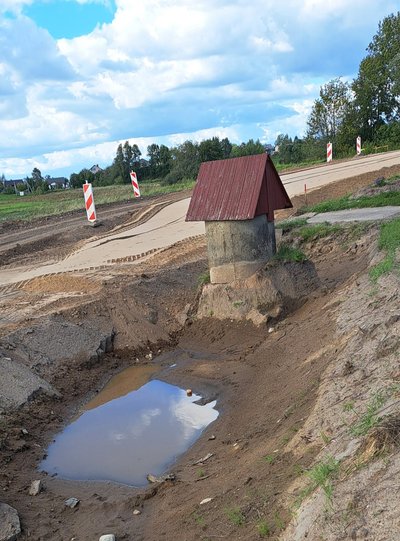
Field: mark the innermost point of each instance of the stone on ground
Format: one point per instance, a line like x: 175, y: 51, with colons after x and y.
x: 10, y: 527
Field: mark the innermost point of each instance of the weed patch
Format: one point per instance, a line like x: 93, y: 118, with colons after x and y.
x: 270, y: 459
x: 321, y: 476
x: 370, y: 418
x: 236, y: 516
x: 263, y: 528
x: 204, y: 278
x: 318, y: 231
x: 289, y: 225
x: 288, y: 253
x: 389, y: 241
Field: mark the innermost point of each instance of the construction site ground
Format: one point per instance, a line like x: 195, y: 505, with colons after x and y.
x: 280, y: 387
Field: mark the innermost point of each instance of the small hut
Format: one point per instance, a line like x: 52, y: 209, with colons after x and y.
x: 236, y: 198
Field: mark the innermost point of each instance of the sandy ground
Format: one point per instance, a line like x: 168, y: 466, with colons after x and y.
x: 269, y: 382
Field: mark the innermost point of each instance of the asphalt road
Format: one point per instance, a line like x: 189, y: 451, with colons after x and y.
x: 324, y: 174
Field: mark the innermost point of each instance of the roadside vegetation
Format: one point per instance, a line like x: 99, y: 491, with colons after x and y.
x: 389, y: 242
x: 287, y: 253
x: 14, y: 207
x: 346, y: 202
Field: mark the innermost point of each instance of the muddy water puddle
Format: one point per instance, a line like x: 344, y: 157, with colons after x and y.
x: 133, y: 427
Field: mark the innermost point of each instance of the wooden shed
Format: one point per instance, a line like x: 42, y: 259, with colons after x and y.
x: 236, y: 198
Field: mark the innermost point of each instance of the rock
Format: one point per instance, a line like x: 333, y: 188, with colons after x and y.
x: 71, y: 502
x: 19, y: 384
x: 36, y: 487
x: 183, y: 316
x: 107, y: 537
x: 137, y: 512
x: 10, y: 527
x: 206, y: 500
x: 153, y: 317
x: 212, y: 437
x: 153, y: 479
x: 149, y: 356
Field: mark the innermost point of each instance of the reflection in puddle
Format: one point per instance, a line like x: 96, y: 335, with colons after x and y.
x: 128, y: 437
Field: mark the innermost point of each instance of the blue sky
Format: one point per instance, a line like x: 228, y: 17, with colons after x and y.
x: 79, y: 76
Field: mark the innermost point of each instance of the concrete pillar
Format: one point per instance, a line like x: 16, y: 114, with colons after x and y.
x: 237, y: 249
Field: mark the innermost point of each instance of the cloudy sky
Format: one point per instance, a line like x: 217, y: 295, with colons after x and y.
x: 79, y: 76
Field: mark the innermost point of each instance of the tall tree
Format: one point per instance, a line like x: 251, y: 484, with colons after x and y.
x: 377, y: 86
x: 210, y: 149
x: 185, y: 162
x: 329, y: 110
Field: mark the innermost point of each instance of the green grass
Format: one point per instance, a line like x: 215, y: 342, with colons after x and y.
x: 289, y: 225
x: 204, y: 278
x: 236, y: 516
x: 370, y: 418
x: 318, y: 231
x: 14, y: 207
x: 389, y: 242
x: 263, y: 528
x: 288, y: 253
x: 321, y: 476
x: 270, y: 459
x: 345, y: 203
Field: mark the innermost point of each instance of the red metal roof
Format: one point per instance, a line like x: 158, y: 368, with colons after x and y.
x: 237, y: 189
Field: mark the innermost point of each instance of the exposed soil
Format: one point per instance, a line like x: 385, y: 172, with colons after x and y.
x: 267, y: 381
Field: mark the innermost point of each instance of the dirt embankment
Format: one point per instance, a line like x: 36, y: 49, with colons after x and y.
x: 281, y: 391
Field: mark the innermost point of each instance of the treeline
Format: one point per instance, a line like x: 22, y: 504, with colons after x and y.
x: 170, y: 165
x: 368, y: 106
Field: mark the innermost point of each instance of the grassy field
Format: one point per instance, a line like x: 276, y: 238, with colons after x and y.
x: 14, y: 207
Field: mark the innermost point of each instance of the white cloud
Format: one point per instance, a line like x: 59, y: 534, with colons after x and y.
x: 170, y: 70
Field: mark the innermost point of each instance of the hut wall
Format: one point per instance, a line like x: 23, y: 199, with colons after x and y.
x: 237, y: 249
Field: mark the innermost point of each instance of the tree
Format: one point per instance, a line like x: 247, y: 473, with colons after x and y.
x: 329, y: 110
x: 185, y: 162
x: 377, y: 86
x: 247, y: 149
x: 126, y: 159
x: 226, y: 147
x: 210, y: 149
x: 159, y: 160
x: 76, y: 180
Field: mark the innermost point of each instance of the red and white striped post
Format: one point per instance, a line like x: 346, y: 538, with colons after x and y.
x: 89, y: 202
x: 329, y: 152
x: 135, y: 184
x: 358, y: 145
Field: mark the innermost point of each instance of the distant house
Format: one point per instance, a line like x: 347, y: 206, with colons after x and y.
x: 95, y: 169
x: 143, y: 162
x: 57, y: 183
x: 13, y: 183
x: 54, y: 183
